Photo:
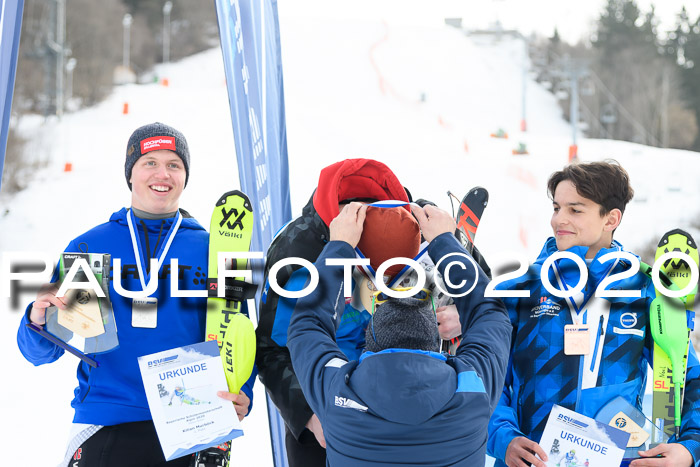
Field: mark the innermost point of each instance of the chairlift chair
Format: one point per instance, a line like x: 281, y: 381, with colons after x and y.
x: 608, y: 114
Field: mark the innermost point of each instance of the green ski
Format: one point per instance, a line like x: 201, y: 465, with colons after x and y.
x: 231, y: 230
x: 671, y: 328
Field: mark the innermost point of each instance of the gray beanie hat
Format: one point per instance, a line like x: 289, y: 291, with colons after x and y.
x: 153, y: 137
x: 403, y: 323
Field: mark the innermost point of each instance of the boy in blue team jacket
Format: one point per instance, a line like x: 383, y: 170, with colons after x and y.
x: 589, y: 200
x: 112, y: 426
x: 403, y: 402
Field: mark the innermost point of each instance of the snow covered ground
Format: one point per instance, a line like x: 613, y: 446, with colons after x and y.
x: 421, y: 97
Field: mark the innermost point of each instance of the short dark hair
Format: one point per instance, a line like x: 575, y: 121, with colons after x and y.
x: 605, y: 183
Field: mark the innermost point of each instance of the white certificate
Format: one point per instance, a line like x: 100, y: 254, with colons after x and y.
x: 571, y: 439
x: 181, y: 386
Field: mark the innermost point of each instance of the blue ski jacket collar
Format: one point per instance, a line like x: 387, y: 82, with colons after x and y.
x: 437, y: 355
x: 550, y: 247
x: 188, y: 222
x: 569, y: 271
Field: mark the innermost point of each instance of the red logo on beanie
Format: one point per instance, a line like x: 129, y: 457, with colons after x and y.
x: 156, y: 143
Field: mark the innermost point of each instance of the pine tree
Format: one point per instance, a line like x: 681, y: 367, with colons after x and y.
x: 677, y: 38
x: 627, y: 63
x: 617, y: 29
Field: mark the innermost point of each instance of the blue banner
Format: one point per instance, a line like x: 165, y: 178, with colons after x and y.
x: 10, y: 28
x: 250, y: 44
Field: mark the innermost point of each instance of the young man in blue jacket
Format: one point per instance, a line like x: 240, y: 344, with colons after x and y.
x: 403, y: 402
x: 589, y: 200
x: 112, y: 426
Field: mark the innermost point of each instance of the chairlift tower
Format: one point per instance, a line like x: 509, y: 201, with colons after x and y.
x: 574, y: 69
x: 56, y: 44
x: 60, y: 53
x: 523, y: 117
x: 167, y: 8
x: 127, y: 20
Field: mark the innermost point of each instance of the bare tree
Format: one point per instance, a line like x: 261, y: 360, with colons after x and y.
x: 145, y: 48
x: 194, y: 28
x: 648, y: 100
x: 94, y: 33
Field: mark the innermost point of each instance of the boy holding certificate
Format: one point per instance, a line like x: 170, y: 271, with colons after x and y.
x: 582, y: 350
x: 112, y: 425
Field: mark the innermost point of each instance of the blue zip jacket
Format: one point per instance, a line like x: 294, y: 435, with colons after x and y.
x: 113, y: 392
x: 540, y: 374
x: 398, y: 406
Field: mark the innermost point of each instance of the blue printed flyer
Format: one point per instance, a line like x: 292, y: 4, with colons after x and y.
x: 573, y: 440
x: 181, y: 386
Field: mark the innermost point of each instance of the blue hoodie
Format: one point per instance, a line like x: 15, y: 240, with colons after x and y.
x: 113, y: 393
x: 398, y: 406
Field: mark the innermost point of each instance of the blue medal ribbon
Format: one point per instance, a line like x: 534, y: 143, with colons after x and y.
x: 162, y: 252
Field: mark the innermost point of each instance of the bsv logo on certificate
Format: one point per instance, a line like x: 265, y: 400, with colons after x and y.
x: 181, y: 386
x: 572, y: 440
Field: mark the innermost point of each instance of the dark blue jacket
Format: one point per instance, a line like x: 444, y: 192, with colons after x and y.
x: 401, y: 406
x: 113, y: 392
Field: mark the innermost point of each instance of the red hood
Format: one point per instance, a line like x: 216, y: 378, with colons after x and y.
x: 355, y: 178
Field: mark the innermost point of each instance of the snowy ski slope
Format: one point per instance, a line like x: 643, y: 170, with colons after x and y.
x: 420, y: 96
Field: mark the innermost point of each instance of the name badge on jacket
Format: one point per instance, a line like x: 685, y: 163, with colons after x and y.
x: 576, y: 341
x: 144, y: 312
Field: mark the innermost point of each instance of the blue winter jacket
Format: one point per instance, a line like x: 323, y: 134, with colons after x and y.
x: 401, y: 407
x: 540, y: 374
x: 113, y: 392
